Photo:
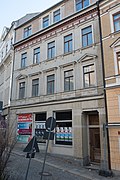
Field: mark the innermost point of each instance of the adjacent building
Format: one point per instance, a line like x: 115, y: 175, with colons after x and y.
x: 110, y: 21
x: 58, y: 72
x: 6, y: 65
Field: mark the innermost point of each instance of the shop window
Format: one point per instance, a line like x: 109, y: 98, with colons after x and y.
x: 118, y: 62
x: 116, y: 21
x: 89, y: 75
x: 45, y: 21
x: 56, y: 16
x: 27, y: 31
x: 87, y: 36
x: 68, y: 80
x: 21, y: 90
x: 51, y: 50
x: 80, y: 4
x: 40, y: 120
x: 35, y: 87
x: 23, y: 60
x: 36, y: 58
x: 50, y: 84
x: 68, y: 43
x: 63, y: 135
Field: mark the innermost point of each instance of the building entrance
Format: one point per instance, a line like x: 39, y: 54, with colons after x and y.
x: 94, y: 139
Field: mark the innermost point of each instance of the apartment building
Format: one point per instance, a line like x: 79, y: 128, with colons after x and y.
x: 110, y: 21
x: 7, y: 40
x: 58, y: 72
x: 6, y: 65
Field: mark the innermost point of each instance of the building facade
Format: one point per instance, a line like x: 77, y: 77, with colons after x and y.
x: 7, y: 40
x: 58, y: 72
x: 110, y: 21
x: 6, y: 65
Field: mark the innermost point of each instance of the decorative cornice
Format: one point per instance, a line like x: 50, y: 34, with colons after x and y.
x: 53, y: 31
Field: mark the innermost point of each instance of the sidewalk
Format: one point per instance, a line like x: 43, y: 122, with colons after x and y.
x: 66, y: 164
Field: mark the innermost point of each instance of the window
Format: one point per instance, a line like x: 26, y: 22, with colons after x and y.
x: 6, y: 48
x: 21, y: 90
x: 40, y: 128
x: 89, y: 75
x: 87, y: 36
x: 35, y: 87
x: 68, y: 43
x: 118, y: 62
x: 50, y: 84
x: 63, y: 135
x: 56, y: 16
x: 80, y: 4
x: 45, y: 21
x: 51, y: 50
x: 23, y: 60
x: 27, y: 31
x: 68, y: 80
x: 116, y: 20
x: 11, y: 41
x: 2, y: 54
x: 36, y: 58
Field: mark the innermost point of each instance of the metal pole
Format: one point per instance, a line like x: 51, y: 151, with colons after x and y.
x: 30, y: 158
x: 46, y: 150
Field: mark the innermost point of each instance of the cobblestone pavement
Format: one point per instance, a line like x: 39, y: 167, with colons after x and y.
x: 59, y: 168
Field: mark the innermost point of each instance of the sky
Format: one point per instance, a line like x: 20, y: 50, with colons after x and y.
x: 11, y: 10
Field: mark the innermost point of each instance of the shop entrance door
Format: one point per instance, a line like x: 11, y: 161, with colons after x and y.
x: 94, y: 134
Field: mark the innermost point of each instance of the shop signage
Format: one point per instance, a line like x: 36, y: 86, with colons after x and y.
x: 24, y: 129
x: 25, y: 118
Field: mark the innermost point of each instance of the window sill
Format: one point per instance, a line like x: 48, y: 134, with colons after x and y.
x: 67, y: 53
x: 115, y: 32
x: 86, y: 47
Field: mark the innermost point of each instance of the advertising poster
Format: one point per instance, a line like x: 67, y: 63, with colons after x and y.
x: 39, y: 131
x: 64, y: 135
x: 24, y: 129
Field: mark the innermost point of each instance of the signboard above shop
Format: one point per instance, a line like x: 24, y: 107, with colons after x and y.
x: 25, y: 118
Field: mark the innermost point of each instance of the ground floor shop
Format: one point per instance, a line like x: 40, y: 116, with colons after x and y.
x: 78, y: 132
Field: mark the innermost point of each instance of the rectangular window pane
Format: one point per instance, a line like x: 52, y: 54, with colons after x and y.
x: 63, y: 135
x: 23, y: 60
x: 116, y: 19
x: 80, y: 4
x: 40, y: 120
x: 51, y: 50
x: 46, y: 21
x: 36, y: 58
x: 35, y: 87
x: 87, y: 36
x: 21, y: 90
x: 89, y: 76
x: 50, y: 84
x: 56, y: 16
x: 68, y: 43
x: 68, y: 80
x: 118, y: 59
x: 27, y: 31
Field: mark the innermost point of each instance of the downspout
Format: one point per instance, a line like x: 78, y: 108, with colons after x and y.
x: 12, y: 70
x: 104, y: 86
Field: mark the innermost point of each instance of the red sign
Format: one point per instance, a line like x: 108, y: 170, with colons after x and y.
x: 25, y: 118
x: 25, y: 131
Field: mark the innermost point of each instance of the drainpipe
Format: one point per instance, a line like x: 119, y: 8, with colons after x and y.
x: 104, y: 172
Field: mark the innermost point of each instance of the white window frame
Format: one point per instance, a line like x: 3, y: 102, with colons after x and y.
x: 111, y: 18
x: 93, y: 34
